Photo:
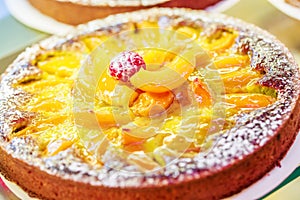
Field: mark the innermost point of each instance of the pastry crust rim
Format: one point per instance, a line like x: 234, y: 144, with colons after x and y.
x: 185, y: 13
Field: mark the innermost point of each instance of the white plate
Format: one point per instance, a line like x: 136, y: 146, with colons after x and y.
x: 286, y: 8
x: 262, y: 187
x: 23, y: 11
x: 271, y: 180
x: 28, y: 15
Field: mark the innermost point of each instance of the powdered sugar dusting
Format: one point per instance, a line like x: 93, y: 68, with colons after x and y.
x: 252, y: 131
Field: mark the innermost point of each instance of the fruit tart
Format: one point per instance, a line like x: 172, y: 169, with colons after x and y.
x: 154, y: 104
x: 75, y: 12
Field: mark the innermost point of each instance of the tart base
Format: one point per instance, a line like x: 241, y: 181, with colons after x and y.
x: 223, y: 183
x: 44, y: 181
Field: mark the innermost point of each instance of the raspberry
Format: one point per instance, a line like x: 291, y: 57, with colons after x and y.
x: 125, y: 65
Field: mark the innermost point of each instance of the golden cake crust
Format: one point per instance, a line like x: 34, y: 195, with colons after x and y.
x: 228, y: 168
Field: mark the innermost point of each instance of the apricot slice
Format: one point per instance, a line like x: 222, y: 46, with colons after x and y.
x: 119, y: 97
x: 62, y: 65
x: 152, y: 143
x: 219, y: 41
x: 129, y: 139
x: 106, y: 87
x: 181, y: 66
x: 112, y: 116
x: 105, y: 117
x: 231, y: 61
x: 93, y: 42
x: 48, y: 106
x: 146, y: 24
x: 237, y: 81
x: 52, y: 120
x: 47, y: 82
x: 152, y: 103
x: 201, y: 91
x: 156, y: 58
x: 167, y: 78
x: 188, y: 31
x: 248, y: 100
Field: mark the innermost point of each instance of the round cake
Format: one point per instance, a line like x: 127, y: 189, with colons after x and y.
x: 154, y: 104
x: 76, y: 12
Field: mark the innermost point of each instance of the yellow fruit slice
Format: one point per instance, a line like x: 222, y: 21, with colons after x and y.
x: 171, y: 76
x: 201, y: 91
x: 47, y: 82
x: 62, y: 64
x: 106, y: 87
x: 146, y: 24
x: 48, y: 106
x: 93, y: 42
x: 152, y: 143
x: 155, y: 58
x: 248, y: 100
x: 52, y: 120
x: 188, y: 31
x: 237, y: 81
x: 150, y: 104
x: 105, y: 117
x: 231, y: 61
x: 219, y: 41
x: 181, y: 66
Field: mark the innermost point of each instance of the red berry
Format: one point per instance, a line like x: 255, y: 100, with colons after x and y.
x: 125, y: 65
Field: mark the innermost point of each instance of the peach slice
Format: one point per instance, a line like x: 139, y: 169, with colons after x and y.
x: 147, y: 24
x: 113, y: 116
x: 202, y: 93
x: 152, y: 103
x: 237, y: 81
x: 47, y: 106
x: 106, y: 87
x: 62, y: 64
x: 246, y: 102
x: 156, y: 58
x: 119, y: 97
x: 152, y: 143
x: 231, y: 61
x: 105, y: 117
x: 47, y: 82
x: 219, y: 41
x: 249, y: 100
x: 188, y: 31
x: 93, y: 42
x: 112, y: 92
x: 181, y: 66
x: 128, y: 139
x: 169, y: 77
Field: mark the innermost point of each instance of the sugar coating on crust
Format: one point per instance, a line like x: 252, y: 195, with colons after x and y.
x: 252, y: 130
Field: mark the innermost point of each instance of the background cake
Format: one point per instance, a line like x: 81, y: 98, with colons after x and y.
x: 76, y: 12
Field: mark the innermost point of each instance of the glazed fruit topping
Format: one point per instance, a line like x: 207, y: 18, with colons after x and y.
x: 150, y: 101
x: 126, y: 65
